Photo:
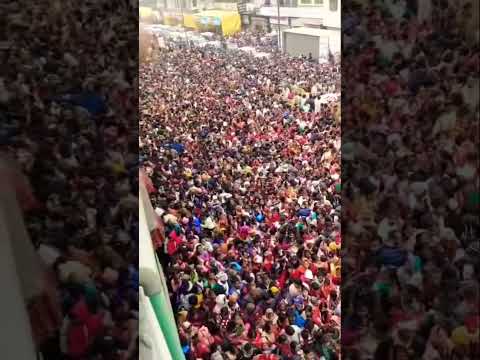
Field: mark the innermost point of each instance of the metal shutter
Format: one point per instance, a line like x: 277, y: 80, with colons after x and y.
x: 299, y: 44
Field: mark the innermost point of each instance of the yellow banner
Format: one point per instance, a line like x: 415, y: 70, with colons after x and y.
x: 230, y: 21
x: 190, y: 21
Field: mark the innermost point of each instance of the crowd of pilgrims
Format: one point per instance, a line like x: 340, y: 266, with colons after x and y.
x: 410, y: 110
x: 68, y: 109
x: 242, y: 160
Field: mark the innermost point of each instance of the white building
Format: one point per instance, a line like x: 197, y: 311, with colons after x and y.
x: 186, y: 5
x: 326, y: 13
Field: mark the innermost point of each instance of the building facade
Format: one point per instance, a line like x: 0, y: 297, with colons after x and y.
x: 310, y: 13
x: 293, y: 13
x: 264, y: 15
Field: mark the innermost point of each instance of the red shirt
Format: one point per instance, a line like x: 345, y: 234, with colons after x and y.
x: 268, y: 265
x: 173, y: 243
x: 391, y: 88
x: 336, y: 280
x: 274, y: 218
x: 285, y: 350
x: 78, y: 341
x: 326, y: 290
x: 297, y: 273
x: 202, y: 351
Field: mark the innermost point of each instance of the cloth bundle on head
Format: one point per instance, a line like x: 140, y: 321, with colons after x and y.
x: 274, y: 290
x: 220, y: 302
x: 209, y: 224
x: 207, y: 245
x: 308, y: 275
x: 187, y: 325
x: 222, y: 277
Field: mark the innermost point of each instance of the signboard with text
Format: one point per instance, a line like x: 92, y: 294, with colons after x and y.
x: 242, y: 7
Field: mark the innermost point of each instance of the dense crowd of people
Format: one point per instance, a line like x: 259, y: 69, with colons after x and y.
x: 244, y: 160
x: 258, y: 39
x: 411, y: 202
x: 68, y: 107
x: 244, y: 163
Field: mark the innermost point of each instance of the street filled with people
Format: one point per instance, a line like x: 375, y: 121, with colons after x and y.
x: 243, y: 161
x: 410, y: 199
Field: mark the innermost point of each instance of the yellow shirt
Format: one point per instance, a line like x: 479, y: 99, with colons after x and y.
x: 199, y: 301
x: 247, y: 170
x: 333, y: 247
x: 188, y: 173
x: 291, y: 193
x: 461, y: 336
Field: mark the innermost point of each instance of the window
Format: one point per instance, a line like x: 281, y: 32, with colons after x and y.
x: 310, y: 3
x: 333, y: 5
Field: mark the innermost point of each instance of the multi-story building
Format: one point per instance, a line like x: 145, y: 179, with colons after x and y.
x: 172, y: 5
x: 293, y: 13
x: 280, y: 15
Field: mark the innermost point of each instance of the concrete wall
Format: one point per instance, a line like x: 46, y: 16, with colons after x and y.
x: 153, y: 281
x: 20, y: 270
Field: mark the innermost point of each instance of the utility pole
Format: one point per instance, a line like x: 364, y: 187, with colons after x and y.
x: 278, y: 25
x: 183, y: 22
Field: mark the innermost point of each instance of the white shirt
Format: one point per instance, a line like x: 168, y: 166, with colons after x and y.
x: 296, y: 336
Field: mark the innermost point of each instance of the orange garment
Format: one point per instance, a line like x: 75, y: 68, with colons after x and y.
x: 327, y: 289
x: 298, y: 273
